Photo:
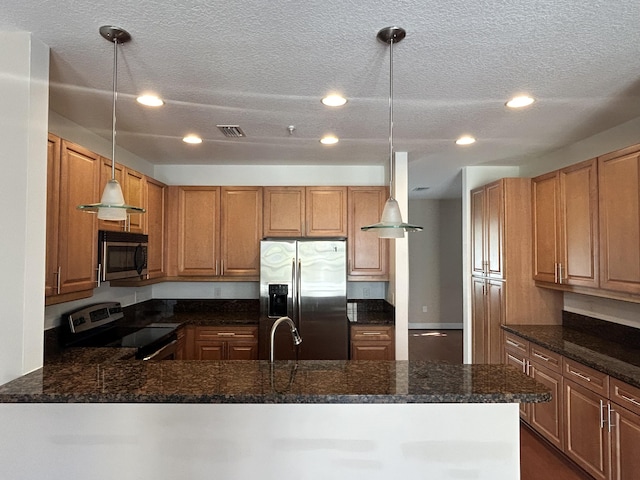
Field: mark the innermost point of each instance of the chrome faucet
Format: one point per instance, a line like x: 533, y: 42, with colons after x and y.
x: 297, y: 339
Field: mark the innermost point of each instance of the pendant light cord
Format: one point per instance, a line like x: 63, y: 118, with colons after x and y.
x: 391, y: 117
x: 113, y: 114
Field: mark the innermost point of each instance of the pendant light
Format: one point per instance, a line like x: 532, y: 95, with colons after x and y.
x: 391, y: 224
x: 112, y: 206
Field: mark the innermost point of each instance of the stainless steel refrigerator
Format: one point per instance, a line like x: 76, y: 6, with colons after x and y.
x: 306, y: 280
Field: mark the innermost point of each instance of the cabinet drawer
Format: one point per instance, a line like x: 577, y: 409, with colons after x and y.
x: 228, y: 333
x: 625, y: 395
x: 514, y: 343
x: 372, y: 333
x: 595, y: 381
x: 544, y: 357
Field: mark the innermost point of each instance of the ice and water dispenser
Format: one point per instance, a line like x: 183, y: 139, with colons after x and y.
x: 278, y: 294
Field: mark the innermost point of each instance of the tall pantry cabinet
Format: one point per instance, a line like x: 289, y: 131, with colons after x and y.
x: 502, y: 288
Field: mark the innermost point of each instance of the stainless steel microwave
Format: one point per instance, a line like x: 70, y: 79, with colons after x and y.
x: 121, y: 255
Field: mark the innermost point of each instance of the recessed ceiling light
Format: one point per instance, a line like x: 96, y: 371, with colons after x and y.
x: 329, y: 140
x: 193, y: 139
x: 150, y: 100
x: 520, y: 101
x: 465, y: 140
x: 334, y: 100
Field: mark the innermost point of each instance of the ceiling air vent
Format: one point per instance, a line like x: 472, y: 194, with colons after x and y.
x: 233, y: 131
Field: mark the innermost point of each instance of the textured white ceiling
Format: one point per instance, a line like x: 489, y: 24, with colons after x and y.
x: 265, y: 66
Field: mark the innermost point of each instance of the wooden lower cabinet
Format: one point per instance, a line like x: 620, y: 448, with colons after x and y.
x: 221, y: 343
x: 488, y: 307
x: 593, y: 418
x: 587, y: 442
x: 373, y: 342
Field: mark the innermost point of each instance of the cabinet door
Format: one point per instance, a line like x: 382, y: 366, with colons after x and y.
x: 495, y: 291
x: 579, y: 226
x: 210, y: 350
x: 284, y: 211
x: 625, y: 462
x: 546, y: 223
x: 135, y: 194
x: 241, y: 231
x: 105, y: 176
x: 494, y: 219
x: 619, y: 206
x: 516, y: 359
x: 586, y: 441
x: 368, y: 254
x: 546, y: 418
x: 198, y: 231
x: 478, y: 234
x: 53, y: 206
x: 326, y: 211
x: 242, y: 350
x: 155, y: 220
x: 479, y: 330
x: 77, y: 240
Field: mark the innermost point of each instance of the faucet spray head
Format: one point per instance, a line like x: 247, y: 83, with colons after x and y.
x: 297, y: 339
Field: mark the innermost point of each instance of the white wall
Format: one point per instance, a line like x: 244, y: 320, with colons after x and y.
x: 24, y: 74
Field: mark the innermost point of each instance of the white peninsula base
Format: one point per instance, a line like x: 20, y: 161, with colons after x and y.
x: 260, y: 441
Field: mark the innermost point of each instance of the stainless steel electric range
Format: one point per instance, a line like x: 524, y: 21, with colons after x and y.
x: 100, y: 325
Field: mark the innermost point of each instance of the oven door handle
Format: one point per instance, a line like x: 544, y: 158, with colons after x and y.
x: 169, y: 349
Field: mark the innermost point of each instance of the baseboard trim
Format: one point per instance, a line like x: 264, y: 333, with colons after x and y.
x: 435, y: 326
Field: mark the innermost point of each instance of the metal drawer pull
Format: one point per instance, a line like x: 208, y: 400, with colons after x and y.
x: 371, y: 333
x: 540, y: 356
x: 226, y: 334
x: 629, y: 399
x: 514, y: 344
x: 584, y: 377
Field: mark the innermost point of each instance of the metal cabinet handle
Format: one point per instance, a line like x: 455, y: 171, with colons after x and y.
x: 629, y: 399
x: 57, y: 274
x: 609, y: 418
x: 560, y: 273
x: 541, y: 357
x: 226, y: 334
x: 514, y: 344
x: 555, y: 273
x: 371, y: 333
x: 584, y: 377
x: 99, y: 271
x: 528, y: 371
x: 222, y: 267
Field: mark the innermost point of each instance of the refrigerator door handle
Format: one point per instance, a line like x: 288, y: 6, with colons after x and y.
x: 298, y: 289
x: 294, y: 288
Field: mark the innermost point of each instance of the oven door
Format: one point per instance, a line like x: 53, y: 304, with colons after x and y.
x: 166, y: 352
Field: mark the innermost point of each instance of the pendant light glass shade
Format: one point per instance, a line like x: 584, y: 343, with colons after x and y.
x: 112, y: 205
x: 391, y: 224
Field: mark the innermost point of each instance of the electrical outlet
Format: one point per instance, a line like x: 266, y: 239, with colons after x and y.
x: 366, y: 293
x: 216, y: 292
x: 424, y: 309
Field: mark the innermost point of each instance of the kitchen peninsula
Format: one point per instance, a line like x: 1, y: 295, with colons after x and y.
x: 241, y: 419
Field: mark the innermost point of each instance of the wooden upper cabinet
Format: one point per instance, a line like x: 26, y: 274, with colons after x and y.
x: 305, y: 211
x: 487, y: 232
x: 155, y: 221
x: 368, y: 255
x: 241, y: 231
x: 134, y: 191
x: 619, y: 203
x: 198, y: 226
x: 77, y: 237
x: 326, y: 211
x: 105, y: 176
x: 565, y: 225
x: 284, y: 211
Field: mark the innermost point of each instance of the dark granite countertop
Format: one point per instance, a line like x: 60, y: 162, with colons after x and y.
x: 599, y: 352
x: 281, y: 382
x: 370, y: 312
